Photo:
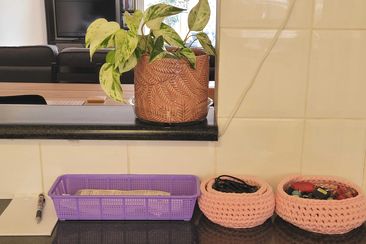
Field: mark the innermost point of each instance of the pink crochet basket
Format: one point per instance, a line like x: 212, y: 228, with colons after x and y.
x: 237, y: 210
x: 321, y: 216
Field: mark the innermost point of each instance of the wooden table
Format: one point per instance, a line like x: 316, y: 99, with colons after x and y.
x: 63, y: 93
x: 68, y: 94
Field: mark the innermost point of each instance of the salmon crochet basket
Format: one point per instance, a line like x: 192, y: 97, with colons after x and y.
x: 237, y: 210
x: 321, y: 216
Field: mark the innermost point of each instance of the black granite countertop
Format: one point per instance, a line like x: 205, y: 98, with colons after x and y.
x: 95, y: 123
x: 199, y: 230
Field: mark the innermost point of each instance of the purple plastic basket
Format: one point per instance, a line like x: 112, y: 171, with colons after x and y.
x: 184, y: 190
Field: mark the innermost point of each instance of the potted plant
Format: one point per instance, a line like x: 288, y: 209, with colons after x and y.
x: 171, y: 78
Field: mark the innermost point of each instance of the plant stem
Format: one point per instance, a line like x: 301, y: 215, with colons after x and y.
x: 143, y: 36
x: 187, y: 36
x: 192, y: 42
x: 142, y: 29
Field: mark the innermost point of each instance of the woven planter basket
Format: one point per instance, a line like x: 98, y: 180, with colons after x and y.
x: 321, y: 216
x: 170, y: 91
x: 233, y: 210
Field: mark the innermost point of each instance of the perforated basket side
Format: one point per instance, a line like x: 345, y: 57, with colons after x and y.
x: 184, y: 190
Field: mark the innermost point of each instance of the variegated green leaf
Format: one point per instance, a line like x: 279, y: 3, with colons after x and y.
x: 133, y: 21
x: 142, y: 42
x: 138, y: 52
x: 108, y: 42
x: 159, y: 11
x: 155, y: 23
x: 109, y: 80
x: 92, y: 29
x: 173, y: 55
x: 199, y: 16
x: 189, y: 55
x: 128, y: 65
x: 169, y: 35
x: 110, y: 57
x: 126, y: 43
x: 157, y: 49
x: 104, y: 44
x: 158, y: 56
x: 150, y: 43
x: 104, y: 31
x: 206, y: 43
x: 146, y: 43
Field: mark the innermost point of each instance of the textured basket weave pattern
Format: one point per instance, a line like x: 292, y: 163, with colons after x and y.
x: 170, y: 91
x: 183, y: 189
x: 321, y: 216
x: 244, y: 210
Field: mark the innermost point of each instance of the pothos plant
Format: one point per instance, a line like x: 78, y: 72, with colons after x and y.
x: 128, y: 46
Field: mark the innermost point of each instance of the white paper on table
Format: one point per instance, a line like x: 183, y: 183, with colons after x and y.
x: 19, y: 218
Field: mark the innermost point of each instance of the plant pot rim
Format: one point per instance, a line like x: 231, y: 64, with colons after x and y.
x: 199, y: 52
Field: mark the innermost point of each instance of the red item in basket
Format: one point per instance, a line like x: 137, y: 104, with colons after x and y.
x: 303, y: 186
x: 345, y: 192
x: 341, y: 197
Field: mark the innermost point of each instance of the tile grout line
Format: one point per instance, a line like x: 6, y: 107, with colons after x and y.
x: 217, y: 60
x: 41, y: 167
x: 309, y: 61
x: 259, y: 28
x: 304, y: 129
x: 271, y: 28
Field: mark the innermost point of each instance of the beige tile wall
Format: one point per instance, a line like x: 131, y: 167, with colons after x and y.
x: 306, y: 112
x: 310, y: 94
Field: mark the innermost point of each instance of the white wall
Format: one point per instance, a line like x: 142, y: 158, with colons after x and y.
x: 22, y: 22
x: 305, y: 114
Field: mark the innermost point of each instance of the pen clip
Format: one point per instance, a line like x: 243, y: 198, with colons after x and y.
x: 41, y: 199
x: 40, y: 206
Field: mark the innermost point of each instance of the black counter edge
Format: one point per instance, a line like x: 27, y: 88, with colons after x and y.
x: 95, y: 132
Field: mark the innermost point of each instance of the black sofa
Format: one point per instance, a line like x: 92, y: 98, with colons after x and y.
x: 28, y: 63
x: 47, y: 64
x: 74, y: 66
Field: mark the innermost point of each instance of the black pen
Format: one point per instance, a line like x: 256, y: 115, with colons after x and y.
x: 40, y: 206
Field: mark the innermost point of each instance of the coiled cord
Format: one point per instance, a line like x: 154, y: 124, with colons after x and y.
x: 232, y: 184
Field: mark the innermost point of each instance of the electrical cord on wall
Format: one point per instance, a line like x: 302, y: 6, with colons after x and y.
x: 245, y: 91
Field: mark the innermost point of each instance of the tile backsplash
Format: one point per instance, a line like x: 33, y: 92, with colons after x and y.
x: 337, y: 77
x: 340, y: 14
x: 306, y: 112
x: 264, y: 13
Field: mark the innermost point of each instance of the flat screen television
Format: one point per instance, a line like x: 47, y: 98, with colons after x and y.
x: 72, y: 17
